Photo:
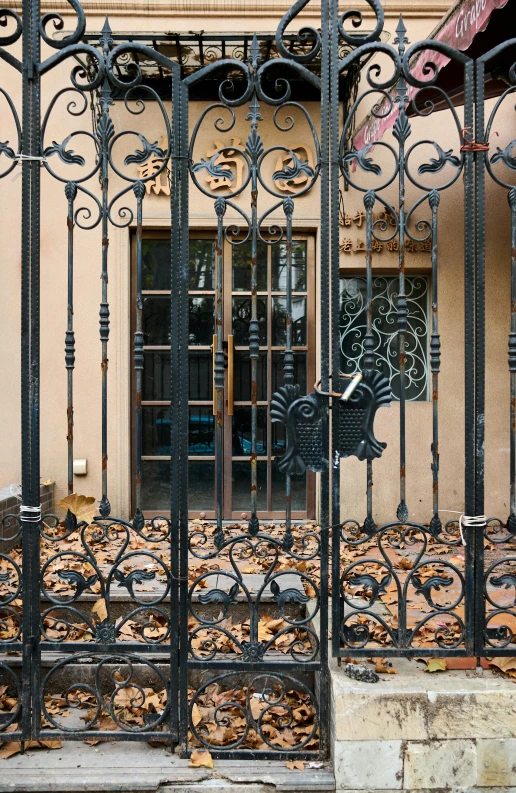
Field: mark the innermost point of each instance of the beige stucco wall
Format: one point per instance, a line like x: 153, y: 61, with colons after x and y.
x: 420, y: 20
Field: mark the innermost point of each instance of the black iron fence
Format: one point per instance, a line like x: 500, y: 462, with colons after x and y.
x: 213, y: 635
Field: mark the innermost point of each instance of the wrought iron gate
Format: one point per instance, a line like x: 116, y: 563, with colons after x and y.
x: 124, y: 628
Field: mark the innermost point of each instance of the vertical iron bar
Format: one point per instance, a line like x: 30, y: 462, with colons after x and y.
x: 254, y: 148
x: 218, y: 396
x: 474, y: 330
x: 435, y: 365
x: 139, y: 192
x: 368, y: 359
x: 288, y: 367
x: 182, y: 414
x: 105, y: 131
x: 511, y: 520
x: 175, y: 380
x: 71, y: 193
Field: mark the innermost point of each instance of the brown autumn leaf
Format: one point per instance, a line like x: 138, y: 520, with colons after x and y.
x: 81, y: 506
x: 196, y: 715
x: 506, y: 665
x: 10, y: 749
x: 51, y: 744
x: 292, y: 765
x: 100, y: 609
x: 406, y: 564
x: 200, y: 759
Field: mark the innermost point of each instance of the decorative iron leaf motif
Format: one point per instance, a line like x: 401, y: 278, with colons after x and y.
x: 221, y: 598
x: 254, y: 144
x: 105, y: 128
x: 219, y: 171
x: 290, y: 595
x: 436, y: 164
x: 402, y: 129
x: 305, y: 420
x: 76, y: 579
x: 253, y: 526
x: 425, y: 587
x: 253, y: 651
x: 505, y: 155
x: 402, y: 512
x: 132, y: 578
x: 363, y: 161
x: 6, y: 149
x: 356, y: 418
x: 70, y: 521
x: 506, y: 580
x: 138, y: 520
x: 370, y: 582
x: 65, y: 155
x: 369, y: 525
x: 143, y: 154
x: 511, y: 523
x: 436, y: 525
x: 297, y: 168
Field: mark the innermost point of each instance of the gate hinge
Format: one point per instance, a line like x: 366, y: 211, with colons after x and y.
x: 28, y: 68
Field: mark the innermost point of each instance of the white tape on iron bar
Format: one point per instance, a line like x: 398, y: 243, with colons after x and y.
x: 467, y: 521
x: 30, y: 514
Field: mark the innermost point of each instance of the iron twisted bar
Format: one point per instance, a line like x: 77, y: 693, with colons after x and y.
x: 71, y: 193
x: 105, y: 131
x: 368, y: 359
x: 218, y: 395
x: 288, y: 367
x: 401, y: 132
x: 435, y: 365
x: 138, y: 358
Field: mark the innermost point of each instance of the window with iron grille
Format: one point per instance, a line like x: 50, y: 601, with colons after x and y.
x: 352, y: 326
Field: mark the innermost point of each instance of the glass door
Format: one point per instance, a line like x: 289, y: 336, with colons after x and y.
x: 156, y: 406
x: 271, y: 317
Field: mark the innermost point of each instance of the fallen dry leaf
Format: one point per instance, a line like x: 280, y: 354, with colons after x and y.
x: 506, y: 665
x: 83, y: 507
x: 436, y: 665
x: 9, y: 749
x: 292, y: 765
x: 100, y: 609
x: 200, y: 760
x: 196, y: 715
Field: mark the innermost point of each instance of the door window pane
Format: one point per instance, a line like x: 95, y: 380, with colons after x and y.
x: 242, y: 376
x: 279, y: 266
x: 241, y: 264
x: 201, y: 265
x: 156, y: 431
x: 297, y: 490
x: 242, y: 485
x: 156, y: 264
x: 201, y: 429
x: 156, y: 320
x: 279, y: 313
x: 201, y: 485
x: 241, y: 434
x: 200, y: 375
x: 201, y: 320
x: 156, y: 485
x: 156, y: 375
x: 242, y: 318
x: 385, y: 331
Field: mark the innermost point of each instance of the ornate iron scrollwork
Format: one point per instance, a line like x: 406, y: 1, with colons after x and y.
x: 306, y: 421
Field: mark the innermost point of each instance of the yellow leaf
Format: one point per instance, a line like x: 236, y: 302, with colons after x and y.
x: 293, y: 764
x: 196, y: 715
x: 47, y: 482
x: 436, y: 665
x: 200, y: 760
x: 100, y: 609
x: 81, y: 506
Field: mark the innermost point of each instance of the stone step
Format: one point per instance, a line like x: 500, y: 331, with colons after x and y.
x: 137, y: 767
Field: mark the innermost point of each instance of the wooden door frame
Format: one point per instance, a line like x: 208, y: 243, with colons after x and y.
x: 161, y: 233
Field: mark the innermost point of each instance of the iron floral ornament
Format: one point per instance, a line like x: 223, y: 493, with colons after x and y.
x: 305, y: 419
